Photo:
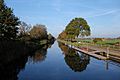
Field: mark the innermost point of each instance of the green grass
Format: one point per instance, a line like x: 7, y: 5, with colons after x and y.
x: 72, y: 43
x: 87, y: 40
x: 106, y: 42
x: 103, y: 44
x: 109, y: 42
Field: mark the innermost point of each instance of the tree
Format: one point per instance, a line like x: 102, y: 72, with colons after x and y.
x: 50, y: 36
x: 38, y: 32
x: 71, y: 33
x: 62, y: 35
x: 97, y: 40
x: 78, y: 27
x: 8, y: 22
x: 24, y: 28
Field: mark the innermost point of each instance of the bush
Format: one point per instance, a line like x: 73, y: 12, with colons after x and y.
x: 97, y: 39
x: 38, y: 32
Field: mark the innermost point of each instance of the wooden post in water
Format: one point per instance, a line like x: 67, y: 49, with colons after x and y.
x: 108, y: 51
x: 106, y: 64
x: 87, y: 48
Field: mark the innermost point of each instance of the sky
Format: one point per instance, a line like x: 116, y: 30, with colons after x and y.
x: 103, y: 16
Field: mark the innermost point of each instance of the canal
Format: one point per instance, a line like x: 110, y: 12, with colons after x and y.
x: 59, y: 62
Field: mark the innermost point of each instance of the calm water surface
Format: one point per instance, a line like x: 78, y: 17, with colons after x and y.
x: 56, y: 62
x: 62, y: 63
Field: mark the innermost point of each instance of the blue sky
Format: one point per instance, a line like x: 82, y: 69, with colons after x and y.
x: 102, y: 15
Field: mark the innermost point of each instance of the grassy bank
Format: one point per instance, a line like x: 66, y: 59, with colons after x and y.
x: 101, y: 44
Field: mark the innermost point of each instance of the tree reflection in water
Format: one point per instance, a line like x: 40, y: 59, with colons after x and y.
x: 39, y: 55
x: 75, y: 60
x: 14, y: 56
x: 10, y: 70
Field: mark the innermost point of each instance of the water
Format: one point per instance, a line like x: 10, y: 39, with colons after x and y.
x: 62, y: 63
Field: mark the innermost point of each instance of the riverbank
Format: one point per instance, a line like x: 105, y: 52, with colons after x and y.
x: 113, y: 54
x: 14, y: 49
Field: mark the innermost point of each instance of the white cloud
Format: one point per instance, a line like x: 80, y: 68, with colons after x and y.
x: 102, y: 13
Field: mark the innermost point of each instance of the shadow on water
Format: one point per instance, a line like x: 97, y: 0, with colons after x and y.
x: 40, y: 54
x: 14, y: 55
x: 75, y: 60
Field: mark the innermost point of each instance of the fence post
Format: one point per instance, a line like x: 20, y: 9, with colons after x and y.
x: 106, y: 64
x: 87, y: 48
x: 108, y: 51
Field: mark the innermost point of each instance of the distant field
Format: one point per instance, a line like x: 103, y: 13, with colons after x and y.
x: 105, y: 42
x: 109, y: 42
x: 112, y: 43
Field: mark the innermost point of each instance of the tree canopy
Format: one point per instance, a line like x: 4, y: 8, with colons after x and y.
x: 38, y: 32
x: 8, y: 22
x: 78, y: 27
x: 24, y: 28
x: 62, y: 35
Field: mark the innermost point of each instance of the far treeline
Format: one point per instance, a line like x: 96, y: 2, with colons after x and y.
x: 11, y: 28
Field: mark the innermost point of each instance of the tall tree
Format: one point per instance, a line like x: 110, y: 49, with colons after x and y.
x: 78, y: 27
x: 38, y: 32
x: 8, y: 22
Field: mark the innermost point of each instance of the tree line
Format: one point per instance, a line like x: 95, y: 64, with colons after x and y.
x: 11, y: 28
